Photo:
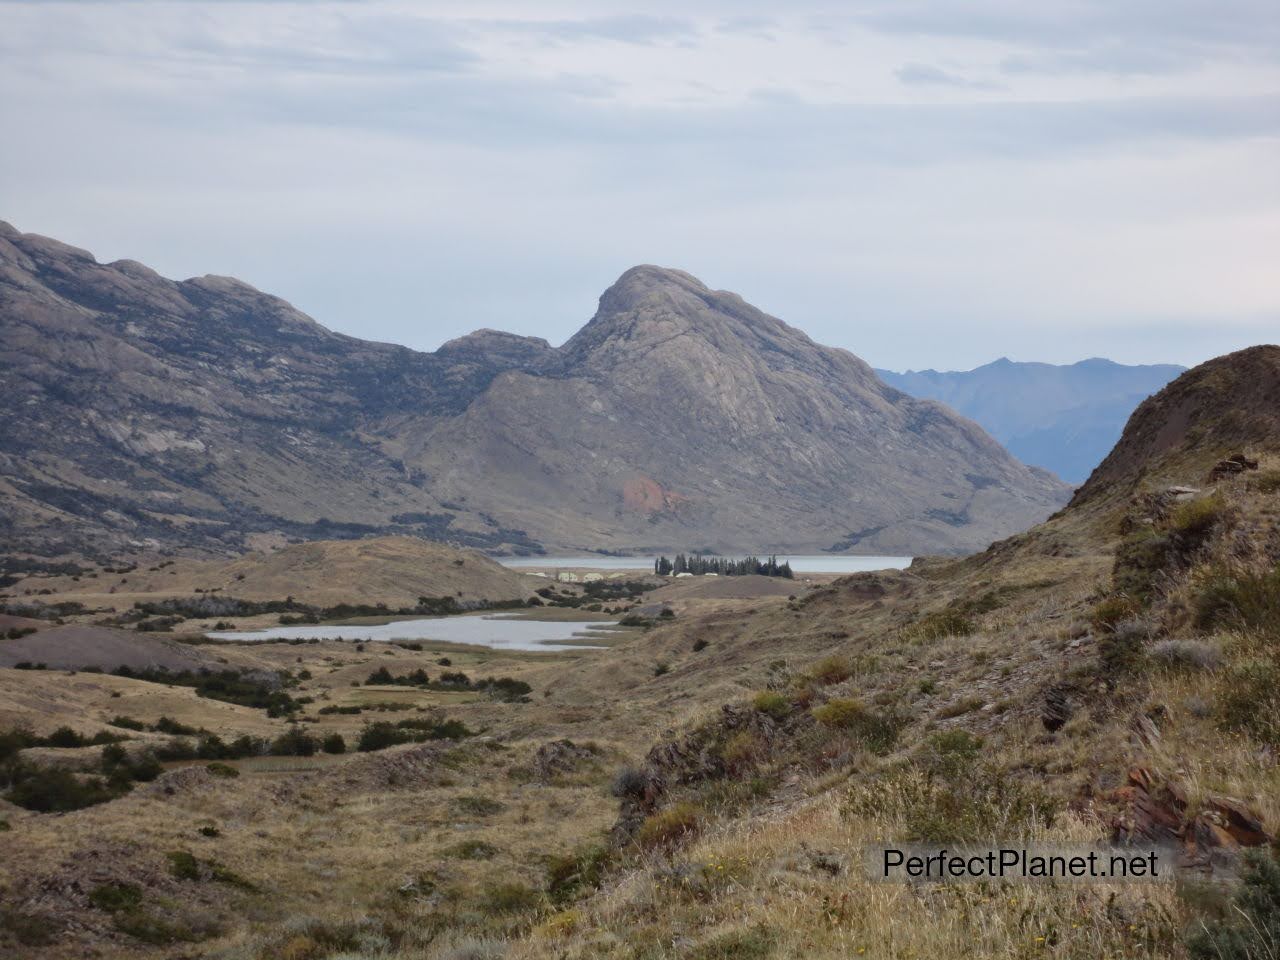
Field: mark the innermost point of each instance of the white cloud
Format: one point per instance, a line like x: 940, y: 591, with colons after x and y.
x: 926, y: 184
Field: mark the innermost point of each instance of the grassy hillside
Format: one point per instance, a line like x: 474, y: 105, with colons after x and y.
x: 707, y: 788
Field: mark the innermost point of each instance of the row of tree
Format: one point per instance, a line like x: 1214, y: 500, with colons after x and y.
x: 698, y: 564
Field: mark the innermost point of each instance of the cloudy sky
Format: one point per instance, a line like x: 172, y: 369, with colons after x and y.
x: 927, y: 183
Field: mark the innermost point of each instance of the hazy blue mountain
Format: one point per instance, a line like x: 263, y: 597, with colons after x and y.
x: 1064, y: 418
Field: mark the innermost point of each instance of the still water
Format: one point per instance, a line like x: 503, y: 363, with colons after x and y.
x: 480, y: 629
x: 816, y: 564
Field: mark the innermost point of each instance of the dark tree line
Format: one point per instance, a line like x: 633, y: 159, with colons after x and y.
x: 698, y: 564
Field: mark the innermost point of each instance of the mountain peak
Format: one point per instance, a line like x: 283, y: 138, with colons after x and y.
x: 645, y: 284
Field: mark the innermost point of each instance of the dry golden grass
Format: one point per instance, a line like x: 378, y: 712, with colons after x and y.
x: 774, y: 872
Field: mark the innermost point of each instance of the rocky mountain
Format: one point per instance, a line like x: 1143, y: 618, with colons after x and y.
x: 1062, y: 418
x: 144, y: 413
x: 1221, y: 410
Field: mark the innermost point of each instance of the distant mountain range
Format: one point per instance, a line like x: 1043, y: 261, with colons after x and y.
x: 143, y: 413
x: 1062, y: 418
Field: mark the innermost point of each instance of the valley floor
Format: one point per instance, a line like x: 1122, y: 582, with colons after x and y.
x: 707, y: 787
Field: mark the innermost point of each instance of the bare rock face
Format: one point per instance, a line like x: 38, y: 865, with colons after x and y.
x: 143, y: 413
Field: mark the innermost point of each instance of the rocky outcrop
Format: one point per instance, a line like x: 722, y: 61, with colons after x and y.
x: 1149, y: 810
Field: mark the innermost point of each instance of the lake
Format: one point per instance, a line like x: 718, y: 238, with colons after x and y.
x: 501, y: 632
x: 814, y: 564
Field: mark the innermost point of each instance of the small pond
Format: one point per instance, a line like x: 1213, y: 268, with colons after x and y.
x: 501, y: 632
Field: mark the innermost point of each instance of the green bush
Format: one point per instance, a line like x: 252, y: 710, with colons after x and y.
x: 58, y: 791
x: 954, y: 800
x: 1249, y: 688
x: 1140, y: 557
x: 668, y: 825
x: 383, y: 734
x: 939, y: 625
x: 478, y: 806
x: 294, y: 742
x: 1267, y: 481
x: 877, y: 732
x: 951, y: 753
x: 1195, y: 519
x: 1123, y: 651
x: 224, y: 770
x: 756, y: 943
x: 29, y: 929
x: 832, y: 669
x: 473, y: 850
x: 771, y: 703
x: 509, y: 898
x: 334, y: 743
x: 1239, y: 599
x: 570, y: 877
x: 183, y: 865
x: 1112, y: 611
x: 113, y: 897
x: 1251, y: 931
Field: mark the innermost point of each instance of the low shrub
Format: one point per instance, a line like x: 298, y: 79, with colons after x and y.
x: 334, y: 743
x: 958, y: 800
x: 668, y: 826
x: 1267, y: 481
x: 741, y: 750
x: 224, y: 770
x: 113, y: 897
x: 509, y: 898
x: 629, y: 782
x: 571, y: 876
x: 877, y: 732
x: 383, y: 733
x: 1112, y: 611
x: 1195, y: 519
x: 472, y: 850
x: 755, y: 943
x: 1251, y: 930
x: 950, y: 753
x: 478, y: 806
x: 1182, y: 654
x: 832, y: 669
x: 772, y: 703
x: 294, y: 743
x: 55, y: 790
x: 959, y: 708
x: 939, y: 625
x: 1239, y: 599
x: 174, y: 728
x: 1123, y: 651
x: 1249, y: 688
x: 29, y: 929
x: 183, y: 865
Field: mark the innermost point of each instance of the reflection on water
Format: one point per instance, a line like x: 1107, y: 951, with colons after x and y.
x: 503, y: 632
x: 814, y: 564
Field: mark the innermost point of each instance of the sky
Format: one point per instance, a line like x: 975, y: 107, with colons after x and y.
x: 924, y: 182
